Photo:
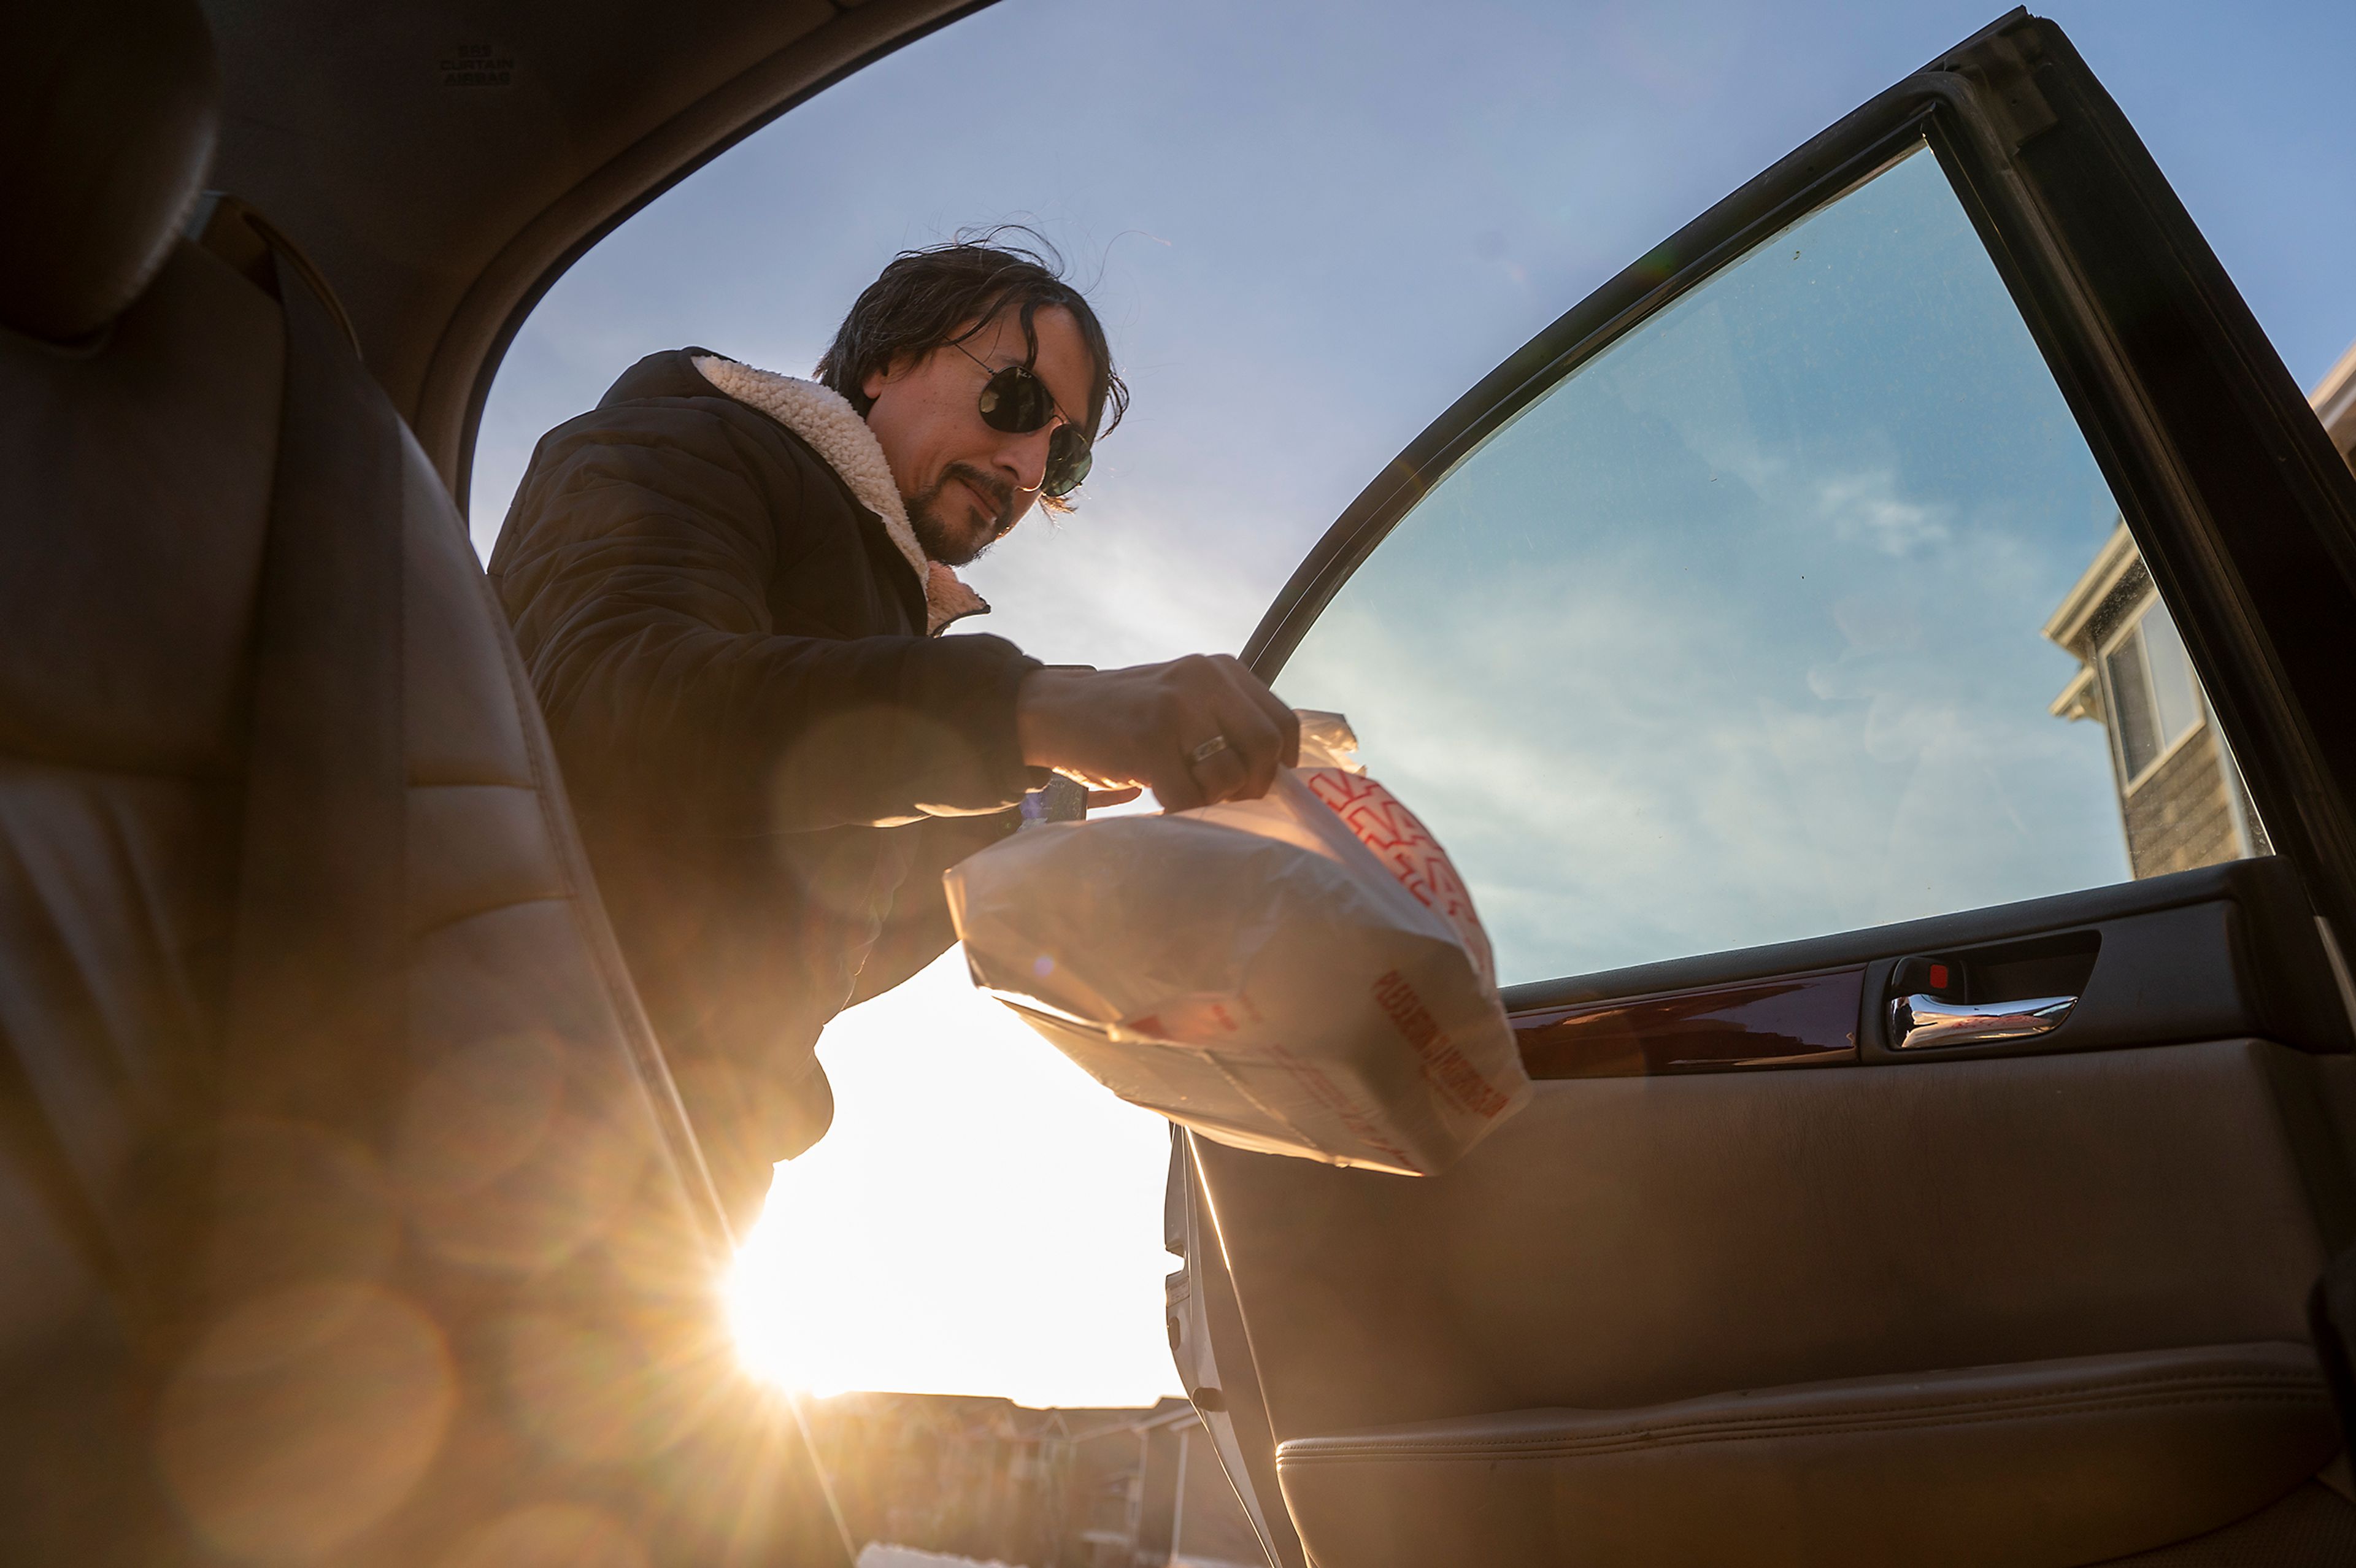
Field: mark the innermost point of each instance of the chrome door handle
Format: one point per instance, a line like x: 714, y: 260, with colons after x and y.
x: 1919, y: 1020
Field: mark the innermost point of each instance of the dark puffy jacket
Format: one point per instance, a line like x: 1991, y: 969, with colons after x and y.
x: 770, y: 759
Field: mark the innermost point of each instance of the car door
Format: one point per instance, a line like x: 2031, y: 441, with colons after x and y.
x: 1880, y: 666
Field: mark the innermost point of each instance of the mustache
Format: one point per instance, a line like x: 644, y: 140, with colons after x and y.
x: 1000, y: 494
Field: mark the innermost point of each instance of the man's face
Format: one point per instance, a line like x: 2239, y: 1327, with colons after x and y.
x: 964, y: 483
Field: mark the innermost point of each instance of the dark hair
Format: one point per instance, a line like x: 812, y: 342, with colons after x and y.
x: 925, y: 297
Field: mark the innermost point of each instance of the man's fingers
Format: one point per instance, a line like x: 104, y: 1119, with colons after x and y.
x: 1222, y: 774
x: 1257, y: 746
x: 1112, y: 728
x: 1178, y: 789
x: 1262, y: 727
x: 1287, y: 722
x: 1256, y: 734
x: 1238, y: 755
x: 1288, y: 727
x: 1255, y: 692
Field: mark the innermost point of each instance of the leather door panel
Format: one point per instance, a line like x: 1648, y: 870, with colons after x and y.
x: 1630, y: 1242
x: 2053, y: 1463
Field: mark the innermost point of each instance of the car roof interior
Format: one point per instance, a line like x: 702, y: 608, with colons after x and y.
x: 442, y: 164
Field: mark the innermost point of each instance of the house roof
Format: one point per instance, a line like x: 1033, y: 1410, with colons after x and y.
x: 2334, y: 401
x: 2067, y: 625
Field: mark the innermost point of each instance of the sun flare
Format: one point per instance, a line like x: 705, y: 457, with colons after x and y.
x: 781, y: 1332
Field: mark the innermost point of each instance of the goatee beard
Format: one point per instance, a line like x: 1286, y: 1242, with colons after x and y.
x: 933, y: 532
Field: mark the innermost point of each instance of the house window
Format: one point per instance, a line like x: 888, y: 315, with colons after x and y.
x: 2155, y: 700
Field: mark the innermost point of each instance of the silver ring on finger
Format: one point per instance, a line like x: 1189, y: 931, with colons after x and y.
x: 1206, y: 750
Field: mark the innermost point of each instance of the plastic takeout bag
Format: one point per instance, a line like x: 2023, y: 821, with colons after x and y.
x: 1303, y: 974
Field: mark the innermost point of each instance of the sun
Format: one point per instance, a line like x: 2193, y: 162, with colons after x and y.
x: 786, y: 1324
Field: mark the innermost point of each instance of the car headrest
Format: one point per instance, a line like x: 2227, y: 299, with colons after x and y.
x: 108, y: 111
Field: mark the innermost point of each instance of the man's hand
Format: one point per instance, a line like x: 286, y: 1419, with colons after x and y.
x: 1196, y: 731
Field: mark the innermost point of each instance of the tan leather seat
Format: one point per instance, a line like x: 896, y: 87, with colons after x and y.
x: 471, y: 1314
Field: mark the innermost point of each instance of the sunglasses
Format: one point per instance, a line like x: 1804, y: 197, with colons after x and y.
x: 1016, y: 400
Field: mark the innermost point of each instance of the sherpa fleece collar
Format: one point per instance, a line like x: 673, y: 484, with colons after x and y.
x: 825, y: 419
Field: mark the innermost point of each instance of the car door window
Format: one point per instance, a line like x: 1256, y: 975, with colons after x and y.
x: 1752, y: 626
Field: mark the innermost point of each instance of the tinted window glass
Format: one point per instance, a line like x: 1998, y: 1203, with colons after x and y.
x: 1734, y: 635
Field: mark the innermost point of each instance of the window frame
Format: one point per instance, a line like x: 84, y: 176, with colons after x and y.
x: 2186, y: 409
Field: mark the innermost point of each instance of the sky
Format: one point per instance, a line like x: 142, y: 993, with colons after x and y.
x: 1308, y: 228
x: 1734, y: 637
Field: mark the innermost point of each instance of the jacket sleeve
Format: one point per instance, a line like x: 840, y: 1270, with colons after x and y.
x: 918, y: 929
x: 637, y: 582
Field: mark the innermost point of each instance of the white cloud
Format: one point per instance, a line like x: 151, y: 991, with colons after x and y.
x: 1866, y: 507
x: 1120, y: 584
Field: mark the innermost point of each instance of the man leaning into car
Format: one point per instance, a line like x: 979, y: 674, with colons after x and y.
x: 729, y: 587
